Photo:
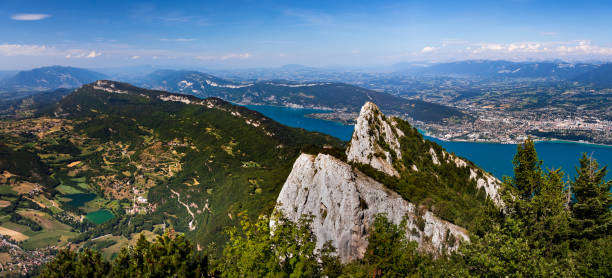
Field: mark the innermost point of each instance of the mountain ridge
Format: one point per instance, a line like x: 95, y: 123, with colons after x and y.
x: 146, y: 159
x: 50, y: 78
x: 378, y: 174
x: 322, y: 95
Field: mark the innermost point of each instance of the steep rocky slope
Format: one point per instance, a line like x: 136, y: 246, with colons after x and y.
x: 372, y: 132
x: 344, y: 202
x: 376, y: 142
x: 389, y: 169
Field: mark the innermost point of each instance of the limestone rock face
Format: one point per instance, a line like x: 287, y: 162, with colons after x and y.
x: 344, y: 203
x: 372, y: 132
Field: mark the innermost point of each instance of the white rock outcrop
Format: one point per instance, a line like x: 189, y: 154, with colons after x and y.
x: 344, y: 203
x: 484, y: 180
x: 372, y: 130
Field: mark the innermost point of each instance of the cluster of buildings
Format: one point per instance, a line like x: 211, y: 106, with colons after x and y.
x: 140, y: 204
x: 15, y: 260
x: 512, y: 127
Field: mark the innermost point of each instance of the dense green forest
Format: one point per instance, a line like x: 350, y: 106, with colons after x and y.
x: 548, y: 228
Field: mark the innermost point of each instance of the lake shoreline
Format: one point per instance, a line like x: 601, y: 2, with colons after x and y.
x: 313, y: 111
x: 516, y: 143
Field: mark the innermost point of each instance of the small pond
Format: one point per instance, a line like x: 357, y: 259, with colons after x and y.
x: 100, y: 216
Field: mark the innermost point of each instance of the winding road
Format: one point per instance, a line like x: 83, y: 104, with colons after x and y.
x: 178, y: 198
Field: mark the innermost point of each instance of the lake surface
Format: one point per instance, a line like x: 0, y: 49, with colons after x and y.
x: 493, y: 157
x: 79, y: 199
x: 100, y: 216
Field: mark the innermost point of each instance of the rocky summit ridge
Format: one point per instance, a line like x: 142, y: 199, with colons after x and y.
x: 375, y: 140
x: 344, y: 201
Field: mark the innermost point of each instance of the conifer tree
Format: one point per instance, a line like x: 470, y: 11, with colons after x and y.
x: 592, y: 217
x: 548, y: 223
x: 527, y: 169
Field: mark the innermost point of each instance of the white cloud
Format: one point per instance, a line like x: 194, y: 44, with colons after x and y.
x: 137, y: 57
x: 428, y: 49
x: 30, y: 17
x: 449, y: 50
x: 43, y: 50
x: 93, y: 54
x: 584, y: 47
x: 230, y: 56
x: 236, y: 56
x: 77, y: 53
x: 25, y: 50
x: 528, y: 47
x: 545, y: 48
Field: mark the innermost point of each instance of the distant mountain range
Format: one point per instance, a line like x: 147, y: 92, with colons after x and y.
x: 600, y: 77
x: 323, y: 95
x: 49, y: 78
x: 7, y: 73
x: 334, y: 94
x: 579, y: 72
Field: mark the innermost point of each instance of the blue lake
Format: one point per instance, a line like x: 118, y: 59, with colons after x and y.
x: 493, y: 157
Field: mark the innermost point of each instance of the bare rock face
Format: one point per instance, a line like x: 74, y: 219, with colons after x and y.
x: 372, y: 132
x: 344, y: 203
x: 376, y: 142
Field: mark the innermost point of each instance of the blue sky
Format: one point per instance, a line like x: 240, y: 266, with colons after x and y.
x: 241, y: 34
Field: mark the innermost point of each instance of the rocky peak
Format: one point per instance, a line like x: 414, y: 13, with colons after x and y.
x: 345, y: 202
x: 375, y: 140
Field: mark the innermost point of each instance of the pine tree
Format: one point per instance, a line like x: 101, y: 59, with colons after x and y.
x: 591, y: 213
x: 538, y: 201
x: 527, y: 169
x: 549, y: 218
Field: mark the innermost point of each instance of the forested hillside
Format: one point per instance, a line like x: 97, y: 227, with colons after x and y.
x: 542, y: 233
x: 111, y: 160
